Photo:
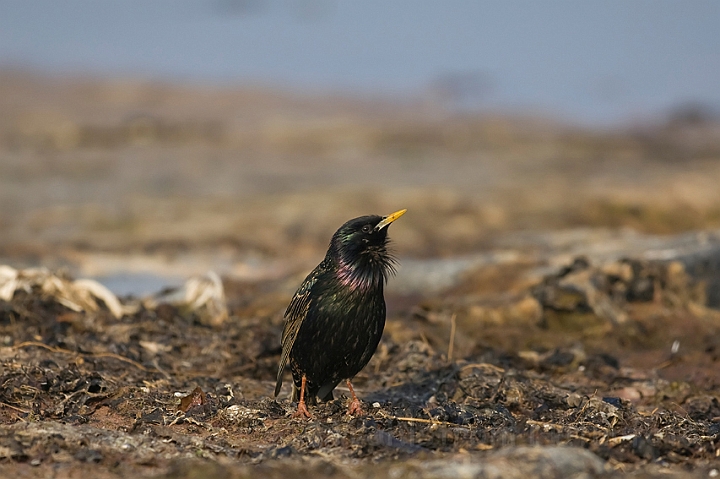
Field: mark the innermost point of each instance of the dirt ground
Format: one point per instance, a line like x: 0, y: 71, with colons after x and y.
x: 521, y: 367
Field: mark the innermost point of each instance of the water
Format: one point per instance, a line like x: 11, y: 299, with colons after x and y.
x: 124, y: 283
x: 590, y: 61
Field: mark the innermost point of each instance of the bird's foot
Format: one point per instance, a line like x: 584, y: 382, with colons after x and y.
x: 302, y: 411
x: 355, y: 407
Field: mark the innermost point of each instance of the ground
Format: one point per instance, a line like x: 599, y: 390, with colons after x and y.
x: 514, y: 343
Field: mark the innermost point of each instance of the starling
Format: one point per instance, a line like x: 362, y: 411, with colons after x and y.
x: 336, y: 318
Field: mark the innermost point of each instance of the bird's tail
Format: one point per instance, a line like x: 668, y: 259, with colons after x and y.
x: 278, y: 383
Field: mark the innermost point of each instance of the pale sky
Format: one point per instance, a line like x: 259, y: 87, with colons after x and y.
x: 591, y: 61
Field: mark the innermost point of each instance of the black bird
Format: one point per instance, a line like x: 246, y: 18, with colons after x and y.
x: 336, y: 318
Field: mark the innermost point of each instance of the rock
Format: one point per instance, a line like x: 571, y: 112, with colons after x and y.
x: 511, y: 462
x: 605, y: 289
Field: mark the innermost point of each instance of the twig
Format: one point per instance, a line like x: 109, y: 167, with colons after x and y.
x: 614, y: 441
x: 61, y: 404
x: 452, y: 337
x: 24, y: 411
x: 156, y: 363
x: 414, y: 419
x: 96, y: 355
x: 492, y: 367
x: 39, y: 345
x: 500, y: 383
x: 575, y: 436
x: 121, y: 358
x: 424, y: 421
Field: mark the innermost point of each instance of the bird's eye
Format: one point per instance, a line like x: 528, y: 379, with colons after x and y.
x: 366, y: 229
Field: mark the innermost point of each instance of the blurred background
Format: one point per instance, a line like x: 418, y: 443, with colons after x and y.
x: 166, y: 138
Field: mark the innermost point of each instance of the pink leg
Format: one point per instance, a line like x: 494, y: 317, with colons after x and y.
x: 302, y: 410
x: 355, y: 407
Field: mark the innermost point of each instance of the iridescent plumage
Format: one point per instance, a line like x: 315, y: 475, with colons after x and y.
x: 336, y: 318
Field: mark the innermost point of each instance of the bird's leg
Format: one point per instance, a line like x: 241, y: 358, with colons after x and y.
x: 302, y: 410
x: 355, y: 407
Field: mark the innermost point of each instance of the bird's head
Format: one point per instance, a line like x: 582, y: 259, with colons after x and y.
x: 359, y: 247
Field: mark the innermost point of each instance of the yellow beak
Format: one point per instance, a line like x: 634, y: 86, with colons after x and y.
x: 389, y: 219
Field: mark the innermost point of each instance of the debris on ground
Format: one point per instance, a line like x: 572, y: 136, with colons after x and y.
x: 203, y: 295
x: 604, y: 290
x: 142, y: 393
x: 78, y: 295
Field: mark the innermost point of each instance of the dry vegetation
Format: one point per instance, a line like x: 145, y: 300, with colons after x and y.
x: 98, y: 177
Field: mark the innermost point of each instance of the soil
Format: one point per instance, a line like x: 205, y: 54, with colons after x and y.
x: 146, y: 393
x: 519, y: 366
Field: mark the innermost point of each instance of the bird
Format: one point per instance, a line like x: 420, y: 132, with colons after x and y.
x: 336, y: 317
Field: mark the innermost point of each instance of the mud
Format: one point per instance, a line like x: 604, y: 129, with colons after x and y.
x: 162, y: 392
x: 541, y: 324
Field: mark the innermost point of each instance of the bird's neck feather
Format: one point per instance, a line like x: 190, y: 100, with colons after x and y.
x: 362, y: 273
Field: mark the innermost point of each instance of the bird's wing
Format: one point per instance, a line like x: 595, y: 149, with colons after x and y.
x: 294, y: 317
